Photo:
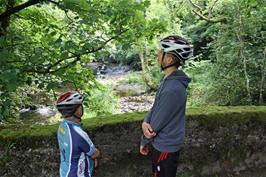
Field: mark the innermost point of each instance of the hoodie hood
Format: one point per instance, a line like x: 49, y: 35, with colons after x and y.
x: 180, y: 76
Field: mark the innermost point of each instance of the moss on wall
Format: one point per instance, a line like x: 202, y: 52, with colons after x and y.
x: 207, y: 116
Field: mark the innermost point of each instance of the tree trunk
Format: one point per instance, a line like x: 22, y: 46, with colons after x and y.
x: 5, y: 21
x: 144, y: 67
x: 241, y: 52
x: 142, y: 57
x: 263, y: 72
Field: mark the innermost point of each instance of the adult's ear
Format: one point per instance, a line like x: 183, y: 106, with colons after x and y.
x: 169, y: 59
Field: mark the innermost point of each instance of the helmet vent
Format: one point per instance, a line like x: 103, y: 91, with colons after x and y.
x: 63, y: 97
x: 68, y: 100
x: 165, y: 46
x: 180, y: 42
x: 185, y: 54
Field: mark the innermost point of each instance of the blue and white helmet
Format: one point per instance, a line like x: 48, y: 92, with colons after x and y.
x: 177, y: 46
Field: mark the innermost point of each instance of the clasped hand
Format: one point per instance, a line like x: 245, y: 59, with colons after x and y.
x: 148, y: 133
x: 147, y: 130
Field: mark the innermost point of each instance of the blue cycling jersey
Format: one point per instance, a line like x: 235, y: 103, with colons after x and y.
x: 76, y: 149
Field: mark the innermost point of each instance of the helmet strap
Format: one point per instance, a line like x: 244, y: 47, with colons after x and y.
x: 162, y: 68
x: 78, y: 117
x: 165, y: 67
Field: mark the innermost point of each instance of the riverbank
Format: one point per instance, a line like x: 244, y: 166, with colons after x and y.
x: 129, y: 97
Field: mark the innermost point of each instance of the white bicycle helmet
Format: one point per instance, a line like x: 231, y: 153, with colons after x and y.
x: 68, y: 103
x: 177, y: 46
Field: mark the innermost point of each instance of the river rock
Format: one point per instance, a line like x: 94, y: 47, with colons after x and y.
x: 136, y: 103
x: 130, y: 90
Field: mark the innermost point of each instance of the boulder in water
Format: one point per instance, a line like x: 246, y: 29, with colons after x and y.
x: 41, y: 114
x: 130, y: 90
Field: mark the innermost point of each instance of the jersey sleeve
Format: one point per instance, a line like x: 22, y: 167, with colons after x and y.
x: 85, y: 143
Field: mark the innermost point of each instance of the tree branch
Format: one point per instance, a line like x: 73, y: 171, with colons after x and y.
x: 22, y: 6
x: 221, y: 20
x: 195, y: 6
x: 54, y: 2
x: 66, y: 66
x: 199, y: 13
x: 210, y: 11
x: 18, y: 44
x: 49, y: 70
x: 71, y: 20
x: 18, y: 8
x: 93, y: 50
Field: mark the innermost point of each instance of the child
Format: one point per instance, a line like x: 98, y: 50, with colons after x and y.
x: 78, y: 155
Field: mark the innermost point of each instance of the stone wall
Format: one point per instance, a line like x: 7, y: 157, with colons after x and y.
x: 228, y: 146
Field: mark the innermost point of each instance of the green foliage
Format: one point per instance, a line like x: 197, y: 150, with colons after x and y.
x: 235, y: 48
x: 116, y: 53
x: 101, y: 101
x: 199, y: 72
x: 235, y: 77
x: 47, y: 44
x: 153, y: 77
x: 133, y: 78
x: 8, y: 105
x: 6, y: 154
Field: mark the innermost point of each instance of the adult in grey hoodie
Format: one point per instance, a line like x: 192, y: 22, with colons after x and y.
x: 164, y: 126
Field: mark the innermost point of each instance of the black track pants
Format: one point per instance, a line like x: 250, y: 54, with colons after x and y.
x: 164, y: 164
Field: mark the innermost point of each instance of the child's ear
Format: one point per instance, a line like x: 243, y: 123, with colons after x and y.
x: 78, y: 110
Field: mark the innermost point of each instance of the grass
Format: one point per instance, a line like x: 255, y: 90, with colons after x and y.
x: 210, y: 116
x: 133, y: 78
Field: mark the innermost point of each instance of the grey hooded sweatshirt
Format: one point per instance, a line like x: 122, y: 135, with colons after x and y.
x: 167, y: 115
